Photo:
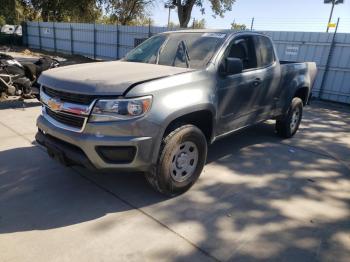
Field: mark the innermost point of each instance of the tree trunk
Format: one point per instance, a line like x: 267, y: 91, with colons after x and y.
x: 45, y: 15
x: 184, y: 12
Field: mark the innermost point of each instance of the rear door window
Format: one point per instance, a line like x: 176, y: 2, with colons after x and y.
x: 265, y: 51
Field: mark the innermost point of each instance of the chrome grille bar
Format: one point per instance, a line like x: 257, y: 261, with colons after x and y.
x: 70, y: 111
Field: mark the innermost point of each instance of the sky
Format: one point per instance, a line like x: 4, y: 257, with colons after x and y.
x: 289, y: 15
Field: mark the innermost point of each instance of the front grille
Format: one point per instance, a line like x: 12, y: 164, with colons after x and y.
x: 69, y: 97
x: 67, y: 119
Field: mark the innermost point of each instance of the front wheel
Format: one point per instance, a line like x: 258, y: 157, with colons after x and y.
x: 181, y: 160
x: 289, y: 124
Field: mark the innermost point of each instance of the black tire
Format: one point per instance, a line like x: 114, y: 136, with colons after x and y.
x: 162, y: 178
x: 287, y: 125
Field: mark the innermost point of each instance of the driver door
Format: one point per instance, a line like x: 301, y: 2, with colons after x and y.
x: 238, y: 95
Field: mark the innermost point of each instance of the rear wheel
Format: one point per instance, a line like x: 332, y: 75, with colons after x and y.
x: 181, y: 160
x: 289, y: 124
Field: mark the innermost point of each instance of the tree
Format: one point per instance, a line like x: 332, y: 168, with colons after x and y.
x: 28, y: 11
x: 85, y: 11
x: 184, y: 8
x: 8, y: 11
x: 66, y: 10
x: 146, y: 21
x: 238, y: 27
x: 15, y: 11
x: 173, y: 25
x: 199, y: 24
x: 2, y: 20
x: 128, y: 11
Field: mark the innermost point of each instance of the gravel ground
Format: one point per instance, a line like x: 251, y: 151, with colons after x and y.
x: 31, y: 55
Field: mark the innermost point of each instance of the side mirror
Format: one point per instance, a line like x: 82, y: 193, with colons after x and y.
x: 233, y: 66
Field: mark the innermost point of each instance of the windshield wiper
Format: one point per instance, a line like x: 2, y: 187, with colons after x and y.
x: 182, y: 45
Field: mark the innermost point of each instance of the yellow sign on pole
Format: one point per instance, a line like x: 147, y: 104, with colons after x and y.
x: 332, y: 25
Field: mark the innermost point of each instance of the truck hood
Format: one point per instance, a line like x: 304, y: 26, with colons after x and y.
x: 105, y: 78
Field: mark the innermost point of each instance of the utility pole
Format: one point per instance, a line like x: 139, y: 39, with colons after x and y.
x: 330, y: 54
x: 169, y: 6
x: 169, y: 18
x: 334, y: 3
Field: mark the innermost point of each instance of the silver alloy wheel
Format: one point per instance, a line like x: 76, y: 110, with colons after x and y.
x: 295, y: 119
x: 184, y: 161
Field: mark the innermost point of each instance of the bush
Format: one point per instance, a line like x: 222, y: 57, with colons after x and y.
x: 2, y: 20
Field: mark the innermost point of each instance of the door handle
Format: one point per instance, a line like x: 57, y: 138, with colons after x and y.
x: 257, y: 82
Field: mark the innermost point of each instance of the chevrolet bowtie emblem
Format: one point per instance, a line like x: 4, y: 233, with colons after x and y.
x: 55, y: 104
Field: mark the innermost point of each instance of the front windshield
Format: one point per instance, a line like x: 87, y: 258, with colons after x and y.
x: 192, y: 50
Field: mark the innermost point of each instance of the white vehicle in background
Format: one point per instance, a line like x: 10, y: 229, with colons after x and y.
x: 12, y: 30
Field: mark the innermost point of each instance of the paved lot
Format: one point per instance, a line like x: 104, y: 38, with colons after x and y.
x: 259, y: 198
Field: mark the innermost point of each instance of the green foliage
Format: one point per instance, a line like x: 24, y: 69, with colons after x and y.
x: 16, y: 11
x: 66, y: 10
x: 105, y: 19
x: 8, y: 11
x: 219, y: 7
x: 86, y: 11
x: 173, y: 25
x: 238, y: 27
x: 184, y: 8
x: 199, y: 24
x: 146, y: 21
x: 127, y: 12
x: 2, y: 20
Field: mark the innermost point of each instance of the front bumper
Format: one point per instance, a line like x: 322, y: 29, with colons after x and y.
x: 74, y: 148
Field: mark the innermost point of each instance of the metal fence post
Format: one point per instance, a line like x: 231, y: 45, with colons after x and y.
x: 94, y: 41
x: 149, y: 28
x: 25, y: 38
x: 54, y: 37
x: 329, y: 59
x: 71, y: 39
x: 39, y: 30
x: 117, y: 40
x: 252, y: 24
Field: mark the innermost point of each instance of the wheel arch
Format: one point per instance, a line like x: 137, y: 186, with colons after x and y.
x: 303, y: 93
x: 202, y: 117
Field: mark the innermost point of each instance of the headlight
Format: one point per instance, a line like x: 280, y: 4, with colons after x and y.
x: 120, y: 109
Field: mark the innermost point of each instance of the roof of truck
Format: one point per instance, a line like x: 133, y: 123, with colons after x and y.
x: 224, y: 31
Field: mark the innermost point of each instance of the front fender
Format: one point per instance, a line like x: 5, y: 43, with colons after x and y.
x: 176, y: 96
x: 180, y: 112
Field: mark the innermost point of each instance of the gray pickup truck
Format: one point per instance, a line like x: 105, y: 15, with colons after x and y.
x: 157, y: 109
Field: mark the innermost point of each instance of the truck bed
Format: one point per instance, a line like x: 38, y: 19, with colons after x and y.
x: 293, y: 73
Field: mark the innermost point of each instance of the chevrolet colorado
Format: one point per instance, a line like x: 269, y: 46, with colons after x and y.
x: 157, y: 109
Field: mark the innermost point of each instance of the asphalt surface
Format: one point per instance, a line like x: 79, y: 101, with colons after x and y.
x: 259, y: 198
